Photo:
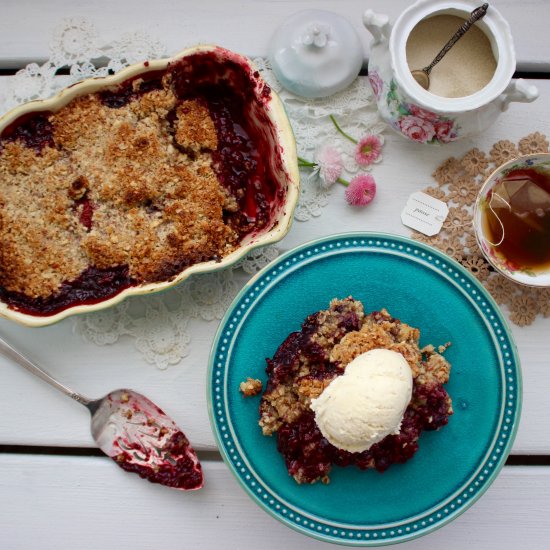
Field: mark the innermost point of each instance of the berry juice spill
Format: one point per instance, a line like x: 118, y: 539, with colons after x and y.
x: 245, y: 160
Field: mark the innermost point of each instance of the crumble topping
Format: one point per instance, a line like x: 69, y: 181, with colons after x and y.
x: 251, y: 387
x: 308, y: 360
x: 132, y: 185
x: 194, y: 127
x: 296, y: 372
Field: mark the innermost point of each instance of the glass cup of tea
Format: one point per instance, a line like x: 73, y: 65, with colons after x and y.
x: 512, y: 219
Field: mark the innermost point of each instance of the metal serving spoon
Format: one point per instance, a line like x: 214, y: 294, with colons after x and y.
x: 422, y: 76
x: 133, y: 431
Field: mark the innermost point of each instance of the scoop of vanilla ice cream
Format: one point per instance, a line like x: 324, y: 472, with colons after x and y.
x: 367, y: 402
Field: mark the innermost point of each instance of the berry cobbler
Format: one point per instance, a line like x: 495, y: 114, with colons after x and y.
x: 309, y: 360
x: 132, y: 184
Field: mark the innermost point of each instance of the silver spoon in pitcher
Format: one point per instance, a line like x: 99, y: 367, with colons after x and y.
x: 133, y: 431
x: 422, y: 76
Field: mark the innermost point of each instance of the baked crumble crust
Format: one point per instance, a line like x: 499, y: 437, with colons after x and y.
x: 122, y: 185
x: 194, y: 128
x: 286, y: 398
x: 250, y: 387
x: 308, y: 360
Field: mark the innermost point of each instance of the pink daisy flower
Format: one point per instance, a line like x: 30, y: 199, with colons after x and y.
x: 368, y: 150
x: 361, y: 190
x: 329, y: 165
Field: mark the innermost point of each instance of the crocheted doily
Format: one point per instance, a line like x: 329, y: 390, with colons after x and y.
x: 458, y: 183
x: 160, y: 324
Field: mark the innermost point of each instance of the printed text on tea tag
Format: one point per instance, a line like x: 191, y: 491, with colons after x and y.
x: 424, y: 213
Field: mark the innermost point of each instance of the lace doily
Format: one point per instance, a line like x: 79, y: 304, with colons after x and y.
x: 160, y: 324
x: 458, y: 183
x: 355, y: 109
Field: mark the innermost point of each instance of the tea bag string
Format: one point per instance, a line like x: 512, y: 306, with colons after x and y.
x: 496, y: 216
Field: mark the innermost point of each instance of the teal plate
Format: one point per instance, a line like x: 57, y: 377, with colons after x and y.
x: 422, y: 287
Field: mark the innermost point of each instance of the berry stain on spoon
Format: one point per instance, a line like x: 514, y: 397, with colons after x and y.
x: 141, y: 438
x: 129, y: 428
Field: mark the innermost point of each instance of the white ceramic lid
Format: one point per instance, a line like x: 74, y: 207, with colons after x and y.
x: 316, y: 53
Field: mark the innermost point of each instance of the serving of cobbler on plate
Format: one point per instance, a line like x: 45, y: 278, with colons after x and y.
x: 311, y: 360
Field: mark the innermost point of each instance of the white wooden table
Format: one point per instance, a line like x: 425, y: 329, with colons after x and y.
x: 56, y: 491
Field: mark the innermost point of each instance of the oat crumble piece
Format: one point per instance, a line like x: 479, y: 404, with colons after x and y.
x: 251, y: 387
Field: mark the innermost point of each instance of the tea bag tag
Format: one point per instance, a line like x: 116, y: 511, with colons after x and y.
x: 424, y: 213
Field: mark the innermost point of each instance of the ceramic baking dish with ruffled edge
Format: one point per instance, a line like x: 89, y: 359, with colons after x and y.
x: 288, y: 176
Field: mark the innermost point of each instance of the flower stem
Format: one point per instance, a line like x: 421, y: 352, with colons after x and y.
x: 337, y: 126
x: 303, y: 163
x: 306, y: 163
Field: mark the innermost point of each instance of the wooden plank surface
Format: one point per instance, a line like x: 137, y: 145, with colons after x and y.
x: 89, y: 503
x: 27, y: 26
x: 34, y: 414
x: 53, y: 502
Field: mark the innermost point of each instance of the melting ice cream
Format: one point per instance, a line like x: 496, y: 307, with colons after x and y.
x: 367, y: 403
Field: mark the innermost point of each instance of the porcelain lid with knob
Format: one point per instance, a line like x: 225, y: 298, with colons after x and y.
x: 316, y: 53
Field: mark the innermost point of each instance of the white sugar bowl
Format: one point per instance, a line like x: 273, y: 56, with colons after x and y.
x: 426, y: 116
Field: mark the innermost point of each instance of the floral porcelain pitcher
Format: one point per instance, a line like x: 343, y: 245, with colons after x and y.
x: 425, y: 117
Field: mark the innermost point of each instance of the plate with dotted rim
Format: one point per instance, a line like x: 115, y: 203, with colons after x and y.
x: 422, y: 287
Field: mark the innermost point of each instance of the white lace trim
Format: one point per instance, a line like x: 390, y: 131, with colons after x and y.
x: 159, y: 324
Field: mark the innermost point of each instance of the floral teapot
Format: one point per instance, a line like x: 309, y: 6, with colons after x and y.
x: 423, y: 116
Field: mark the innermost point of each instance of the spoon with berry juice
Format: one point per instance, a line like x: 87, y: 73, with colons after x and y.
x: 133, y: 431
